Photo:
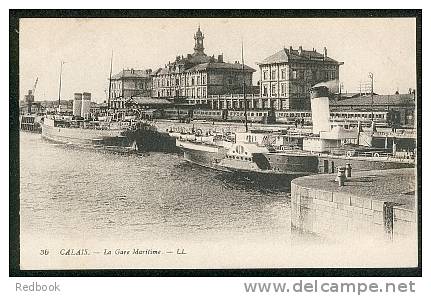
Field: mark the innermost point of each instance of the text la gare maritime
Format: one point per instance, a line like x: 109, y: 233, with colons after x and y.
x: 135, y: 251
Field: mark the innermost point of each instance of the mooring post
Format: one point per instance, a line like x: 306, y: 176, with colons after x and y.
x: 388, y: 219
x: 348, y: 170
x: 341, y: 176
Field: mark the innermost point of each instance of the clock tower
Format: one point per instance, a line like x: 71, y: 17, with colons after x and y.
x: 199, y: 42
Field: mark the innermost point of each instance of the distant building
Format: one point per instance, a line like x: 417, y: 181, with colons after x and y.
x: 197, y: 76
x: 401, y: 106
x: 129, y: 83
x: 287, y: 76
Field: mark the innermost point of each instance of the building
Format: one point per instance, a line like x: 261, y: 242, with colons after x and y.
x: 197, y: 76
x: 287, y: 76
x: 129, y: 83
x: 401, y: 106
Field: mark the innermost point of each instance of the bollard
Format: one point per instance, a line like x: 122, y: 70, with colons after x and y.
x: 341, y: 176
x: 348, y: 170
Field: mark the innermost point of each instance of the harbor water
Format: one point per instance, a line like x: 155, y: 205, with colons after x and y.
x: 75, y: 198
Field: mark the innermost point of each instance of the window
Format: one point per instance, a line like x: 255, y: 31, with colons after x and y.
x: 265, y: 91
x: 294, y: 74
x: 273, y: 74
x: 283, y: 74
x: 273, y: 90
x: 283, y: 89
x: 265, y: 75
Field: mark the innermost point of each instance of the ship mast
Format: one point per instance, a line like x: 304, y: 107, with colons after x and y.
x: 59, y: 87
x: 243, y: 86
x: 110, y: 81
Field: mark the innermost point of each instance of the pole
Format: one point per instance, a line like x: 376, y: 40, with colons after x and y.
x: 372, y: 95
x: 59, y: 87
x: 110, y: 81
x: 243, y: 86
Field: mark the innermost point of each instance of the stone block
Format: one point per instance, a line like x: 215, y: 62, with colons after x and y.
x: 357, y: 201
x: 358, y: 210
x: 341, y: 198
x: 323, y: 195
x: 378, y: 217
x: 377, y: 205
x: 404, y: 214
x: 367, y: 212
x: 304, y: 192
x: 405, y: 228
x: 367, y: 203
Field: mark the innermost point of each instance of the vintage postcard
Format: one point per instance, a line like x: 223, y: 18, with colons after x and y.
x: 218, y: 143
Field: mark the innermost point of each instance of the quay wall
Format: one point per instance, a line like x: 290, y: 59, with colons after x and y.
x: 340, y: 214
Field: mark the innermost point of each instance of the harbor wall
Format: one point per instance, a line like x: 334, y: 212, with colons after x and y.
x: 339, y: 215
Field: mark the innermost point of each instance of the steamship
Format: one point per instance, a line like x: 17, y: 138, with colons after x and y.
x: 96, y: 135
x: 79, y: 130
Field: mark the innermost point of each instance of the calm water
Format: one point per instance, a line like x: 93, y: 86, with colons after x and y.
x: 69, y: 192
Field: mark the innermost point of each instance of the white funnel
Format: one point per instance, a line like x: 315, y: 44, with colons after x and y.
x: 320, y: 109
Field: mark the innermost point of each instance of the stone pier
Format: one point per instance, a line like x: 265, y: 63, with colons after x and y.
x: 377, y: 204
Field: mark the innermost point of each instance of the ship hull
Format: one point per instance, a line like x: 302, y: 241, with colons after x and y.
x: 292, y: 163
x: 112, y: 140
x: 204, y: 155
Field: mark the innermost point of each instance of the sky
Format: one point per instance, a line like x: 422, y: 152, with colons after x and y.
x: 384, y: 46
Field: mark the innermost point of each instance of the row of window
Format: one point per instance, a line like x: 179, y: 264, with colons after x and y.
x: 189, y: 92
x: 183, y: 81
x: 239, y: 157
x: 293, y: 114
x: 237, y: 113
x: 359, y: 115
x: 200, y: 112
x: 298, y: 89
x: 298, y: 74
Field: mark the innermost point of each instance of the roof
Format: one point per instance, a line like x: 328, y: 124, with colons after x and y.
x: 399, y: 99
x: 216, y: 65
x: 148, y: 101
x: 132, y: 73
x: 286, y: 55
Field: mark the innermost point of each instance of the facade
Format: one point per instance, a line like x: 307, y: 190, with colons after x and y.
x: 287, y: 76
x: 129, y: 83
x: 401, y: 106
x: 197, y: 76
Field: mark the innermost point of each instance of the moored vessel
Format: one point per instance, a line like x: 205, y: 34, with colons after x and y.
x: 97, y: 135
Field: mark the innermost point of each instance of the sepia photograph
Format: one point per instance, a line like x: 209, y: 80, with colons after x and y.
x: 221, y: 142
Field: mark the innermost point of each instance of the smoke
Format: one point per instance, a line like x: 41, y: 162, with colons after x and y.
x: 332, y: 85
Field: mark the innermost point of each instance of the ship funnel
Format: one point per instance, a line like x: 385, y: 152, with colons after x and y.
x: 77, y: 104
x: 319, y: 96
x: 86, y: 102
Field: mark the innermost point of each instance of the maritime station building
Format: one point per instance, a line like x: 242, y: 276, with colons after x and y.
x: 196, y: 77
x: 286, y: 78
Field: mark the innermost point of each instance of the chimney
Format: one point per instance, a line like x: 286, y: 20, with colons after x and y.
x: 220, y: 58
x: 290, y: 49
x: 325, y: 52
x: 300, y: 50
